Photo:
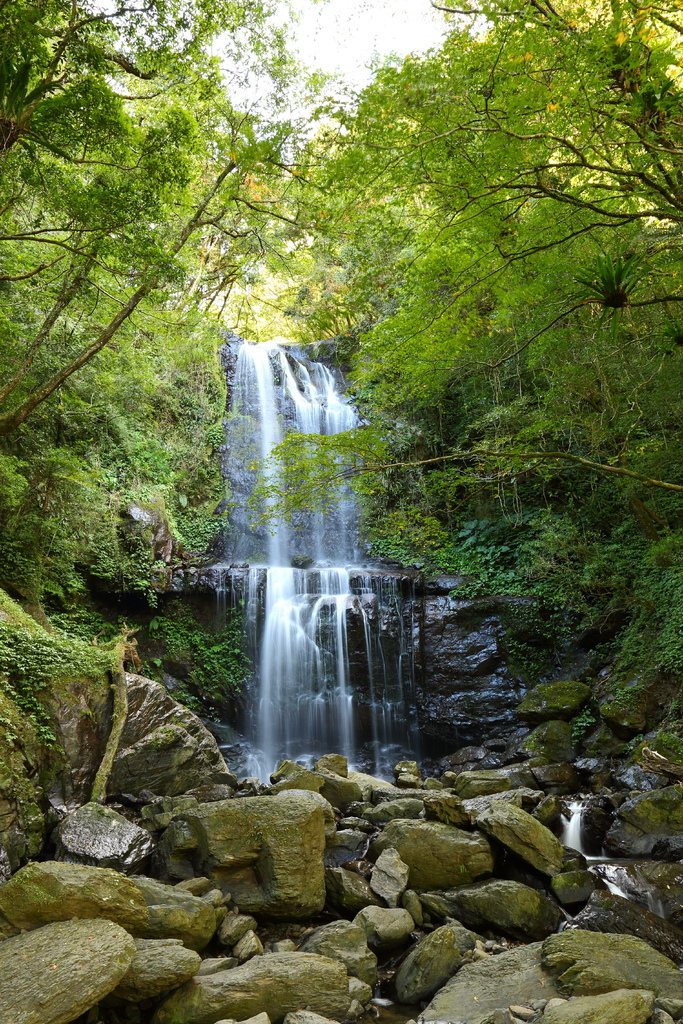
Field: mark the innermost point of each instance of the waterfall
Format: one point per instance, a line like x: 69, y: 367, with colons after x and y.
x: 302, y: 589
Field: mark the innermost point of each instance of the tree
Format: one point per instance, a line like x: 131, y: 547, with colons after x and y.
x: 126, y: 175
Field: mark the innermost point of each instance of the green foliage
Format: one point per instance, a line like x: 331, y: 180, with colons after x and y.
x: 32, y: 661
x: 217, y: 661
x: 582, y: 724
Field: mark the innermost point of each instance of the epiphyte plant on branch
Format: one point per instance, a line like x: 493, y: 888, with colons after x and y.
x: 611, y: 283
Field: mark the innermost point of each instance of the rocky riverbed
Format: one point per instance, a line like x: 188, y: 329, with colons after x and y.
x: 194, y: 898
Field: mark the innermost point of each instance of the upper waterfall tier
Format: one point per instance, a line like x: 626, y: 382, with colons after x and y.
x: 274, y: 391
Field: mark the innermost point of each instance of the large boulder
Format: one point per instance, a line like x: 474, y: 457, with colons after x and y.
x: 385, y: 928
x: 653, y: 885
x: 99, y: 835
x: 588, y: 963
x: 56, y: 973
x: 175, y: 914
x: 607, y: 912
x: 509, y: 907
x: 277, y: 984
x: 624, y: 1006
x: 523, y: 835
x: 388, y: 810
x: 512, y: 978
x: 445, y: 807
x: 438, y: 856
x: 645, y: 819
x: 347, y: 891
x: 480, y: 782
x: 164, y: 747
x: 428, y: 966
x: 552, y: 740
x: 345, y: 941
x: 53, y: 891
x: 266, y: 852
x: 158, y: 966
x: 559, y: 700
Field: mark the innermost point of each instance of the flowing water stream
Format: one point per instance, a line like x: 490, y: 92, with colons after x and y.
x: 304, y: 701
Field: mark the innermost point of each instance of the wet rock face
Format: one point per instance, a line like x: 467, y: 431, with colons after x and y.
x: 469, y: 691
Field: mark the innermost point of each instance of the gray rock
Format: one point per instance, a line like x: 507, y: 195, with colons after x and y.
x: 385, y: 928
x: 98, y: 835
x: 339, y: 790
x: 623, y: 1006
x: 410, y: 901
x: 164, y: 747
x: 233, y: 927
x: 345, y: 845
x: 498, y: 981
x: 305, y: 1017
x: 389, y: 877
x: 158, y: 966
x: 248, y: 946
x: 428, y: 966
x: 359, y: 990
x: 348, y: 891
x: 268, y: 853
x: 54, y: 974
x: 347, y: 942
x: 215, y: 964
x: 277, y: 984
x: 438, y: 856
x: 175, y: 914
x: 54, y: 891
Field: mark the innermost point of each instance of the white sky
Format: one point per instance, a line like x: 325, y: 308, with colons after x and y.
x: 344, y: 37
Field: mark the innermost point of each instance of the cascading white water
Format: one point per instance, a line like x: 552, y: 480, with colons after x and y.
x: 571, y: 832
x: 304, y: 705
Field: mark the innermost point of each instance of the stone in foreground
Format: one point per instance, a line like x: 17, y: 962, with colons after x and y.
x: 428, y: 966
x: 589, y: 963
x: 495, y: 983
x: 54, y: 974
x: 52, y: 891
x: 385, y: 928
x: 267, y: 853
x: 277, y: 984
x: 158, y: 966
x: 99, y: 835
x: 624, y: 1006
x: 438, y: 856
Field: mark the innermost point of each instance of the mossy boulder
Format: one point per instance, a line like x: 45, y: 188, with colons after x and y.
x: 158, y: 966
x: 266, y: 852
x: 551, y: 740
x: 347, y: 891
x: 558, y: 701
x: 588, y: 963
x: 523, y: 835
x: 428, y: 966
x: 480, y: 782
x: 572, y: 886
x: 56, y: 973
x: 624, y: 720
x: 621, y: 1007
x: 345, y: 941
x: 175, y: 914
x: 438, y: 856
x: 277, y: 984
x: 509, y: 907
x: 52, y: 891
x: 643, y: 820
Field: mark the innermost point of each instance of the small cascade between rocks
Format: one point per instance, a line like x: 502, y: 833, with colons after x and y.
x: 301, y: 587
